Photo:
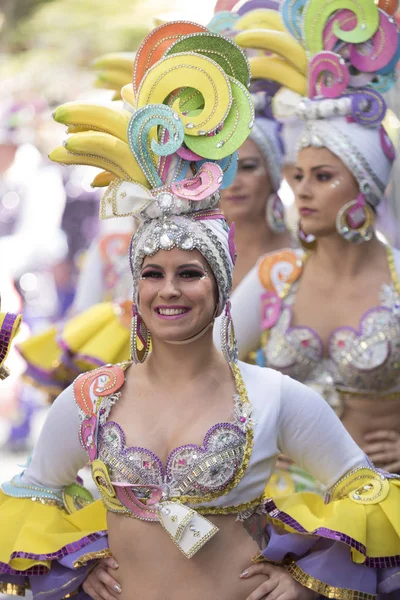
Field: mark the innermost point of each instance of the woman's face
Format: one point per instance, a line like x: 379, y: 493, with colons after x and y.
x: 322, y: 185
x: 247, y: 197
x: 177, y: 294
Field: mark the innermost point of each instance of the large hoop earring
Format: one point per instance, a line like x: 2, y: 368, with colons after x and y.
x: 355, y: 221
x: 307, y: 240
x: 140, y: 338
x: 275, y: 214
x: 228, y: 339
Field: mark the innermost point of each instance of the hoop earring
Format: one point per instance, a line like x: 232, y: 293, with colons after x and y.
x: 307, y: 240
x: 275, y: 214
x: 140, y: 338
x: 228, y: 339
x: 355, y: 221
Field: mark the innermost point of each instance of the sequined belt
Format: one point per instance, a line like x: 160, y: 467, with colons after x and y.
x: 186, y: 527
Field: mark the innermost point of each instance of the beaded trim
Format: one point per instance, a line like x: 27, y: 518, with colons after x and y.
x: 324, y: 589
x: 13, y: 589
x: 64, y: 551
x: 83, y: 560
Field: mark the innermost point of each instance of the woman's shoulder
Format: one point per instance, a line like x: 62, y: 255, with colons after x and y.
x: 261, y: 381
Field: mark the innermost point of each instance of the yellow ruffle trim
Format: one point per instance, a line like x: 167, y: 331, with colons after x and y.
x: 99, y: 334
x: 361, y: 509
x: 34, y: 528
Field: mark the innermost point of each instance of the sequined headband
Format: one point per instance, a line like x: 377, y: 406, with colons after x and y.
x: 205, y: 231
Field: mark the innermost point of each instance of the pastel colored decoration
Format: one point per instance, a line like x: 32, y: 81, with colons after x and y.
x: 223, y: 22
x: 291, y: 11
x: 142, y: 137
x: 384, y: 47
x: 222, y: 50
x: 235, y: 130
x: 206, y: 182
x: 328, y: 75
x: 368, y: 107
x: 317, y: 12
x: 270, y: 309
x: 194, y: 71
x: 155, y: 45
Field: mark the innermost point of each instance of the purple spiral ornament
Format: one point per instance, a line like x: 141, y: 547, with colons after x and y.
x: 328, y: 75
x: 368, y: 108
x: 241, y: 9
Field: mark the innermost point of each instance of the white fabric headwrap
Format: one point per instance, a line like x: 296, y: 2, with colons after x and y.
x: 358, y: 147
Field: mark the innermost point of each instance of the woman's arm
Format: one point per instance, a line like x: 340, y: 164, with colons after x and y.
x: 310, y: 433
x: 246, y: 314
x: 58, y: 454
x: 51, y: 528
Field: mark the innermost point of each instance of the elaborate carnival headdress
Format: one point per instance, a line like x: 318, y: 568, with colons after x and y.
x: 352, y: 49
x: 166, y: 157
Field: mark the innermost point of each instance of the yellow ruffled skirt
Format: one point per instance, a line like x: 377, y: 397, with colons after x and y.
x: 98, y: 336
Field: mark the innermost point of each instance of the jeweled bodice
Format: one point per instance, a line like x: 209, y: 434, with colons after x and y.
x: 190, y: 470
x: 364, y: 360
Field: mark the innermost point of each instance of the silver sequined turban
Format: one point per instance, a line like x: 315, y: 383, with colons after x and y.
x: 208, y: 233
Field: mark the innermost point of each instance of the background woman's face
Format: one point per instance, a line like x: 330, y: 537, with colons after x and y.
x: 322, y: 185
x: 247, y: 197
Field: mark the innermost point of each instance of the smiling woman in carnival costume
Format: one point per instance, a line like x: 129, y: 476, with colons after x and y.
x: 176, y: 505
x: 330, y: 317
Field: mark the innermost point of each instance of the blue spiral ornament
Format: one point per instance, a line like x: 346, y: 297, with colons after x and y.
x: 153, y: 131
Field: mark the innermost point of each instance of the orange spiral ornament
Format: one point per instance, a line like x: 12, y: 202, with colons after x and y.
x: 389, y: 6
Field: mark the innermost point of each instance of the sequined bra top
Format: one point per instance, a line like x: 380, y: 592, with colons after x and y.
x: 133, y: 480
x: 364, y: 361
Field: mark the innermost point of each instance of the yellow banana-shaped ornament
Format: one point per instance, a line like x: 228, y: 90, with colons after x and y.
x: 62, y: 156
x: 112, y: 80
x: 277, y: 69
x: 278, y: 42
x: 261, y: 18
x: 110, y: 149
x: 83, y: 117
x: 128, y: 96
x: 103, y: 179
x: 115, y: 61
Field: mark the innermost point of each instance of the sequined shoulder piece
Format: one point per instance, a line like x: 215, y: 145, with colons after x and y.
x: 91, y: 390
x: 279, y: 269
x: 277, y: 272
x: 100, y: 382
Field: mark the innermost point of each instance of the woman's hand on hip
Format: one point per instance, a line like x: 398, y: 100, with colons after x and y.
x: 280, y: 585
x: 383, y: 448
x: 100, y: 584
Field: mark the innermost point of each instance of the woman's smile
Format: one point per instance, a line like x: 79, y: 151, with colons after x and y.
x: 171, y: 312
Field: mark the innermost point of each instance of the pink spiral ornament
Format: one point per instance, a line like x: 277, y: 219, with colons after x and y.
x: 206, y: 182
x: 344, y: 19
x: 378, y: 52
x: 386, y: 143
x: 328, y: 75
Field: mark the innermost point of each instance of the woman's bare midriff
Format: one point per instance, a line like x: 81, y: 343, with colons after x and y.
x: 361, y: 416
x: 151, y: 567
